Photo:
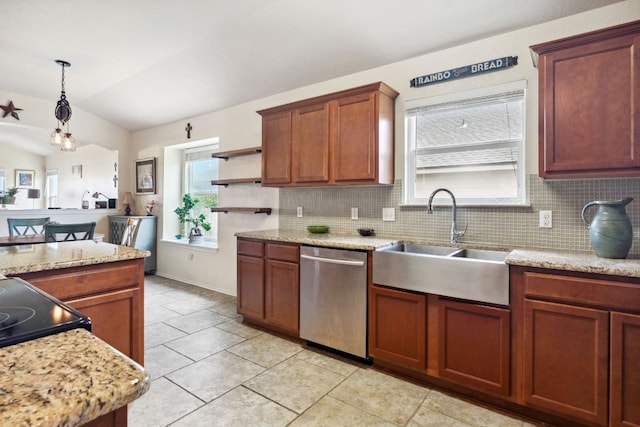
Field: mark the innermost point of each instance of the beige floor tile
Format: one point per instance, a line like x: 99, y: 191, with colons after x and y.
x: 190, y: 305
x: 238, y: 408
x: 161, y: 360
x: 157, y: 300
x: 266, y: 350
x: 204, y: 343
x: 467, y: 412
x: 330, y: 412
x: 334, y: 364
x: 215, y: 375
x: 379, y: 394
x: 235, y: 326
x: 228, y: 309
x: 160, y: 333
x: 295, y: 384
x: 158, y: 314
x: 196, y: 321
x: 164, y: 403
x: 426, y: 417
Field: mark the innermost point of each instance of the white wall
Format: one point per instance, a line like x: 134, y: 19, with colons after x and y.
x: 240, y: 127
x: 97, y: 175
x: 12, y: 159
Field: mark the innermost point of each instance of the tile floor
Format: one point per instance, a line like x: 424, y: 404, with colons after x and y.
x: 208, y: 369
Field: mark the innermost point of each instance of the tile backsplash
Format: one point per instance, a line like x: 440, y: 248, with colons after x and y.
x: 507, y: 227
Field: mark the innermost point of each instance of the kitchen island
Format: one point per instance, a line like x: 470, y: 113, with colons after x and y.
x: 69, y: 379
x: 101, y: 280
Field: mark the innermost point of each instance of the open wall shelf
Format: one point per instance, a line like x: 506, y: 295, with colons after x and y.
x: 235, y: 153
x: 226, y: 182
x: 244, y: 210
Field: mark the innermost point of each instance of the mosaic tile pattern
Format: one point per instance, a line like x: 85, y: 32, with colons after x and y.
x: 509, y: 227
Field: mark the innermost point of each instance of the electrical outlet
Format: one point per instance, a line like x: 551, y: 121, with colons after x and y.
x: 299, y: 212
x: 354, y: 213
x: 546, y: 219
x: 388, y: 214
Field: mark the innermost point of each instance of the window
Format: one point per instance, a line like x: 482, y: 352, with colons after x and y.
x: 471, y: 143
x: 199, y: 170
x: 51, y: 188
x: 3, y: 182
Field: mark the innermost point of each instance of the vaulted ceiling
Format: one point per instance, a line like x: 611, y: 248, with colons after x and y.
x: 144, y: 63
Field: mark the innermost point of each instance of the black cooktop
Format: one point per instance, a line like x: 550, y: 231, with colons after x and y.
x: 28, y: 313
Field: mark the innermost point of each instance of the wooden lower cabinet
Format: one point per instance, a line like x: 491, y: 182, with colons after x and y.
x: 251, y: 286
x: 566, y: 360
x: 398, y: 327
x: 625, y: 370
x: 282, y: 294
x: 112, y: 295
x: 473, y: 345
x: 464, y: 343
x: 268, y: 280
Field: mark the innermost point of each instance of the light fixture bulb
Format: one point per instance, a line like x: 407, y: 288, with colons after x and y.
x: 68, y: 143
x: 56, y: 137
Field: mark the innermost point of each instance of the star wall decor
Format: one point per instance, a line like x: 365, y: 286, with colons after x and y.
x: 10, y: 109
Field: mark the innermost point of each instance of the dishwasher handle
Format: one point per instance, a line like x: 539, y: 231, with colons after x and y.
x: 333, y: 261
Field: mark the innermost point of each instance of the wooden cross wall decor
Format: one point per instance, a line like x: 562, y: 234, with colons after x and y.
x: 188, y: 129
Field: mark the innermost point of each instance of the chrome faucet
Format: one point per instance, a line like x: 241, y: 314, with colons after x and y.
x: 455, y: 233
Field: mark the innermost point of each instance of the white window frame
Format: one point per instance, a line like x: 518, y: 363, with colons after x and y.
x: 213, y: 218
x: 50, y: 190
x: 410, y: 153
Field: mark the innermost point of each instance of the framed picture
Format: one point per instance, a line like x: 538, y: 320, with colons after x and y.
x: 76, y: 171
x: 25, y: 178
x: 146, y: 176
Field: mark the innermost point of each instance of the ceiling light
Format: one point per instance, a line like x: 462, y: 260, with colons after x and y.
x: 61, y: 139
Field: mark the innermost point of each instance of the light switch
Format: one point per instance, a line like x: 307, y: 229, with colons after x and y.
x: 299, y: 212
x: 354, y: 213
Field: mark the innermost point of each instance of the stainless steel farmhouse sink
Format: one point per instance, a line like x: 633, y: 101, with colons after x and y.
x: 471, y: 274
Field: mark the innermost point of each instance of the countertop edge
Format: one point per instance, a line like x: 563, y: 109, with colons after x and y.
x: 68, y: 379
x: 538, y: 258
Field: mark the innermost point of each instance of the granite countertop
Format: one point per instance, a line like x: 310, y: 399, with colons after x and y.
x: 331, y: 240
x: 551, y: 259
x: 50, y: 256
x: 66, y: 379
x: 574, y: 261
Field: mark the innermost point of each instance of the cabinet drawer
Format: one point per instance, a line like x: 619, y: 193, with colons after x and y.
x: 250, y: 247
x: 283, y: 252
x: 77, y: 282
x: 615, y: 295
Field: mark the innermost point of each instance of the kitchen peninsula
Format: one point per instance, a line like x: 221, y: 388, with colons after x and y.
x: 102, y: 280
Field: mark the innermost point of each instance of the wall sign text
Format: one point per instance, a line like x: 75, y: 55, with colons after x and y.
x: 466, y: 71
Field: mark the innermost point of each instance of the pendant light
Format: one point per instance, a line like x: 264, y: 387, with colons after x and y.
x: 61, y: 139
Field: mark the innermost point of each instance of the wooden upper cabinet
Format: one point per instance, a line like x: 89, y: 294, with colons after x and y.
x: 311, y: 150
x: 589, y: 104
x: 276, y: 148
x: 343, y: 138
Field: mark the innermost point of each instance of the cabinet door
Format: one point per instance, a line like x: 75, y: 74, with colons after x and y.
x: 566, y: 360
x: 311, y: 144
x: 397, y: 327
x: 589, y: 119
x: 473, y: 343
x: 354, y: 139
x: 276, y: 148
x: 625, y: 370
x: 115, y: 318
x: 251, y: 287
x: 282, y: 295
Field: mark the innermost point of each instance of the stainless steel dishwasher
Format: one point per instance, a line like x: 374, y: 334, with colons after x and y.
x: 333, y: 299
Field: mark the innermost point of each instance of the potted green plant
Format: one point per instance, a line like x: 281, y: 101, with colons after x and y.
x: 185, y: 216
x: 9, y: 196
